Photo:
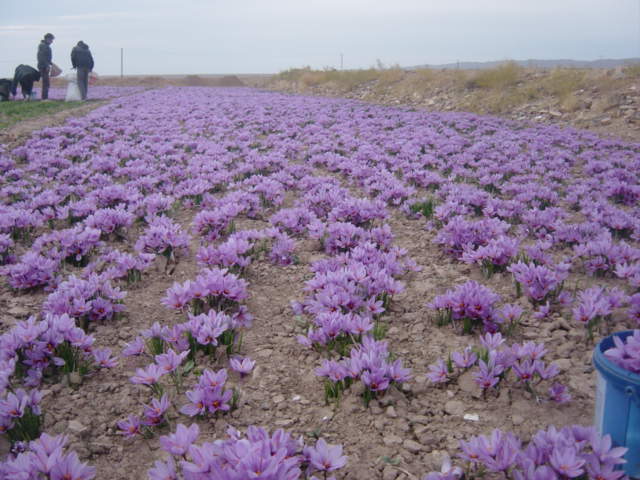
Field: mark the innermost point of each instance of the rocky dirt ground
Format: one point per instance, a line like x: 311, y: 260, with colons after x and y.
x: 401, y: 436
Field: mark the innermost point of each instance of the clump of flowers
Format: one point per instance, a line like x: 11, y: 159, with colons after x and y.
x: 163, y: 237
x: 571, y: 452
x: 111, y: 221
x: 634, y: 307
x: 472, y: 304
x: 20, y: 415
x: 369, y: 362
x: 87, y: 300
x: 207, y: 331
x: 626, y: 353
x: 541, y: 284
x: 154, y: 415
x: 32, y: 270
x: 603, y: 256
x: 493, y: 257
x: 209, y: 395
x: 495, y: 363
x: 256, y: 453
x: 45, y: 458
x: 117, y: 264
x: 213, y: 224
x: 630, y: 272
x: 293, y: 221
x: 54, y: 344
x: 73, y: 245
x: 595, y: 306
x: 214, y: 288
x: 339, y: 237
x: 360, y: 212
x: 164, y: 364
x: 6, y: 245
x: 234, y: 254
x: 460, y: 234
x: 19, y: 223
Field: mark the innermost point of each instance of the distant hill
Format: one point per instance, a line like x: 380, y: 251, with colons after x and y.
x: 600, y: 63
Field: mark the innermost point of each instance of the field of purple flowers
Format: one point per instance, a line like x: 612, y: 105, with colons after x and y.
x: 227, y: 284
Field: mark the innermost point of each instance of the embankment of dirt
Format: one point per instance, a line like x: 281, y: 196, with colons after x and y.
x: 606, y: 101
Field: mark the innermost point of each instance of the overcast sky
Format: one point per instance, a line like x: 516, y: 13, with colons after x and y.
x: 268, y: 36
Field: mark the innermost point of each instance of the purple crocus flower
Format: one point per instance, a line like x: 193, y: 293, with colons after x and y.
x: 154, y: 413
x: 465, y: 359
x: 104, y: 359
x: 130, y: 427
x: 375, y: 380
x: 178, y: 443
x: 447, y: 471
x: 325, y: 457
x: 198, y: 405
x: 134, y: 348
x: 242, y: 366
x: 69, y: 467
x: 170, y: 361
x: 148, y: 376
x: 488, y: 375
x: 558, y: 393
x: 438, y: 372
x: 163, y: 470
x: 566, y: 461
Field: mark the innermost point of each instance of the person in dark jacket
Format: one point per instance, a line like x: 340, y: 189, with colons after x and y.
x: 24, y: 76
x: 44, y: 62
x: 5, y: 89
x: 82, y: 61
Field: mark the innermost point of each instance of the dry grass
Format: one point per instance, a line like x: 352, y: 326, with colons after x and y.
x: 562, y: 82
x: 498, y: 90
x: 343, y: 80
x: 632, y: 71
x: 503, y: 76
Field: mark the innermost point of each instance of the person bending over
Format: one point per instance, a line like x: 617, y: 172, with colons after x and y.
x: 24, y: 76
x: 5, y: 89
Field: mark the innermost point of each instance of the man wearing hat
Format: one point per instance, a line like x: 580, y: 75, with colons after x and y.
x: 44, y: 62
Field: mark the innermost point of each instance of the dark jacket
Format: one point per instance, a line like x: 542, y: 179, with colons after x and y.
x: 25, y: 76
x: 44, y: 55
x: 5, y: 88
x: 81, y: 56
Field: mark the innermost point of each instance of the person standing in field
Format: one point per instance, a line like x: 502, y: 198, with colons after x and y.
x: 82, y: 61
x: 44, y: 62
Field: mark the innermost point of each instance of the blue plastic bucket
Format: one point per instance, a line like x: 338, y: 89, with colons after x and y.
x: 618, y: 404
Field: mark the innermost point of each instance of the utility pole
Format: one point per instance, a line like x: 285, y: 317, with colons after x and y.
x: 341, y: 60
x: 121, y: 62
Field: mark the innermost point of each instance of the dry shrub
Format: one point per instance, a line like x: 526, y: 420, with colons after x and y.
x: 291, y: 75
x: 416, y: 82
x: 571, y: 103
x: 632, y: 71
x: 495, y: 102
x: 564, y: 81
x: 389, y: 76
x: 503, y: 76
x: 230, y: 81
x: 310, y: 78
x: 421, y: 79
x: 358, y: 77
x: 194, y: 81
